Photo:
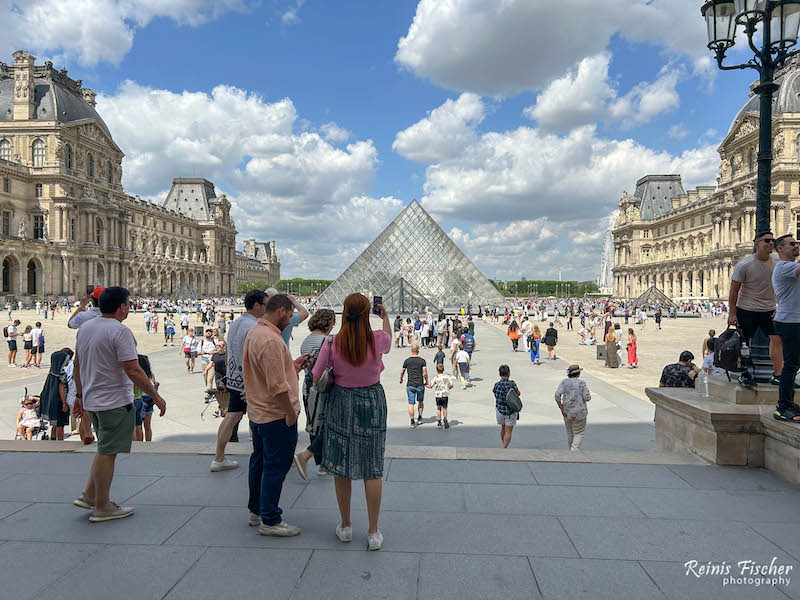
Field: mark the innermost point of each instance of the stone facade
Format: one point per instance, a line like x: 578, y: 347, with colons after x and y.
x: 65, y: 220
x: 687, y: 244
x: 258, y: 262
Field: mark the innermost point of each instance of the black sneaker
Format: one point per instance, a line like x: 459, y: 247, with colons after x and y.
x: 747, y: 380
x: 790, y: 414
x: 413, y: 424
x: 439, y: 424
x: 775, y: 380
x: 419, y: 421
x: 446, y: 424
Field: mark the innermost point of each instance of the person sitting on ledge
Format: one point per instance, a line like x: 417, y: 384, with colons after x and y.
x: 680, y: 374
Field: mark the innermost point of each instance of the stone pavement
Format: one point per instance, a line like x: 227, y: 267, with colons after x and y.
x: 458, y: 529
x: 618, y: 421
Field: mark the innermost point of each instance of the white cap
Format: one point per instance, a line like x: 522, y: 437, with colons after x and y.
x: 270, y: 292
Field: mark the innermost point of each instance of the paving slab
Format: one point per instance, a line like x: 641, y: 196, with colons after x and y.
x: 657, y: 476
x: 9, y: 508
x: 129, y: 572
x: 548, y: 500
x: 218, y: 526
x: 714, y: 477
x: 360, y: 576
x: 205, y: 491
x: 48, y: 463
x: 714, y: 505
x: 65, y: 488
x: 241, y: 573
x: 66, y: 523
x: 176, y: 464
x: 676, y: 584
x: 461, y: 577
x: 462, y: 471
x: 784, y: 535
x: 397, y: 495
x: 520, y: 454
x: 30, y: 567
x: 662, y: 539
x: 591, y: 579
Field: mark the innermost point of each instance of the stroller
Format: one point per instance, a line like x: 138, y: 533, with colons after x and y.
x: 40, y: 430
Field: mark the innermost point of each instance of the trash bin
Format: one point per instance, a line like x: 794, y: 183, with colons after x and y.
x: 199, y: 331
x: 601, y: 351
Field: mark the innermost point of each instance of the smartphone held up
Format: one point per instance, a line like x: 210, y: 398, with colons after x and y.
x: 377, y: 302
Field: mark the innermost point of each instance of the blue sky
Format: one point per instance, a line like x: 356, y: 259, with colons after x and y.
x: 322, y: 119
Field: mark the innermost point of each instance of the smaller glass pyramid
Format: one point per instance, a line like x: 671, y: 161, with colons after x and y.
x: 413, y: 263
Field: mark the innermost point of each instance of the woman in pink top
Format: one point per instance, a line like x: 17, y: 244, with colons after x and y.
x: 354, y: 436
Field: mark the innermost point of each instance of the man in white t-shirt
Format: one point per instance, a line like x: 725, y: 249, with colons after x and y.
x: 13, y: 334
x: 36, y: 339
x: 464, y: 364
x: 81, y: 314
x: 185, y: 323
x: 206, y: 348
x: 148, y: 319
x: 105, y: 372
x: 189, y: 348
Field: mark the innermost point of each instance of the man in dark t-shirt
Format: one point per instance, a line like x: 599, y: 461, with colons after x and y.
x: 417, y: 381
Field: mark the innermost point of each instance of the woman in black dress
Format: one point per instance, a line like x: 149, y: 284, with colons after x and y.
x: 550, y: 340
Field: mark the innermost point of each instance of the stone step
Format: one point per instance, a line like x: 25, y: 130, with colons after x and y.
x: 392, y: 451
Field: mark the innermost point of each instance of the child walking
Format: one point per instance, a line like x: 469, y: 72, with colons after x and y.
x: 571, y: 396
x: 442, y: 384
x: 505, y: 417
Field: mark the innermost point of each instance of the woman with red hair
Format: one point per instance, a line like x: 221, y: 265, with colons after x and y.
x: 354, y: 436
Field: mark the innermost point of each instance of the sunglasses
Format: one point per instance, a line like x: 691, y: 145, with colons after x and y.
x: 768, y: 240
x: 792, y: 243
x: 28, y: 403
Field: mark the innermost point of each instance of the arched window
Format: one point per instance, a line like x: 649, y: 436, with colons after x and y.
x: 38, y: 153
x: 68, y: 156
x: 110, y: 173
x: 5, y: 149
x: 90, y: 165
x: 751, y: 160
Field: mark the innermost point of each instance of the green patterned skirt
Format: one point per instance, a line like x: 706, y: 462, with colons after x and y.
x: 354, y: 435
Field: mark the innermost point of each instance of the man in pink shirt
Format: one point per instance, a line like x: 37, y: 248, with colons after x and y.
x: 270, y: 381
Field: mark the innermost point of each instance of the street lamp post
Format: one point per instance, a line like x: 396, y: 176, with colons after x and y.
x: 779, y: 21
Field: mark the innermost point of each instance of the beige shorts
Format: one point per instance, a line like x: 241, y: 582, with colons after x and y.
x: 509, y: 420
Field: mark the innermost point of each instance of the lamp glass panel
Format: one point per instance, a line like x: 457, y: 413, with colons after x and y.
x: 785, y: 24
x: 721, y: 23
x: 749, y: 5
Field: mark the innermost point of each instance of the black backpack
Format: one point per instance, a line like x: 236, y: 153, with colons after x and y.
x: 513, y: 401
x: 728, y: 350
x: 5, y: 331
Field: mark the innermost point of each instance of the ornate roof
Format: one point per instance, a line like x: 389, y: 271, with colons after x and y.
x: 192, y: 197
x: 57, y: 97
x: 654, y: 194
x: 785, y: 100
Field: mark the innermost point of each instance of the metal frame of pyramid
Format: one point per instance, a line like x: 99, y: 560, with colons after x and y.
x: 413, y: 250
x: 652, y: 296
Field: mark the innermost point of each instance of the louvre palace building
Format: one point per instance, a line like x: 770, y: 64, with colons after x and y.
x: 65, y: 220
x: 686, y: 243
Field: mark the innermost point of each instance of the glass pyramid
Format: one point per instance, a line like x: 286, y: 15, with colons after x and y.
x: 653, y: 297
x: 413, y: 263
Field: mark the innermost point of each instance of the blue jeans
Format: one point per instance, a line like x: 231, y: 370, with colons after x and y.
x: 273, y: 453
x: 415, y: 394
x: 790, y: 338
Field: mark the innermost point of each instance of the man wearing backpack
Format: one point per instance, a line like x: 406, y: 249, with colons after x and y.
x: 786, y: 282
x: 506, y: 417
x: 752, y: 302
x: 12, y: 331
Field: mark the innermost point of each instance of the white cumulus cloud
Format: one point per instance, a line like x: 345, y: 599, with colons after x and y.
x: 508, y: 46
x: 333, y: 133
x: 444, y: 133
x: 93, y: 31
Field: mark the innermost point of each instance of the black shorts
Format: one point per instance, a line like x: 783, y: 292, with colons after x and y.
x: 237, y: 403
x: 442, y: 402
x: 37, y: 350
x: 27, y: 345
x: 185, y: 327
x: 751, y: 321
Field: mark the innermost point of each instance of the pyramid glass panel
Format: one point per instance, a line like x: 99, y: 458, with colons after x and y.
x: 412, y: 264
x: 653, y: 297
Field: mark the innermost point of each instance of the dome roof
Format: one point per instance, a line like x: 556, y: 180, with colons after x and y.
x: 57, y: 97
x: 785, y: 100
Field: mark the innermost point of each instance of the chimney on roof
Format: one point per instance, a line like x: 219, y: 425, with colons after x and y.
x: 24, y: 89
x: 88, y: 97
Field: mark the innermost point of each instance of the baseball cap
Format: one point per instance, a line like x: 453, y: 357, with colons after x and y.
x: 686, y: 355
x: 270, y: 292
x: 96, y: 292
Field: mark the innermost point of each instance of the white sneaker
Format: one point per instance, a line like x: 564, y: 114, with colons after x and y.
x: 12, y: 365
x: 374, y: 540
x: 254, y: 520
x: 345, y: 534
x: 225, y: 465
x: 282, y: 529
